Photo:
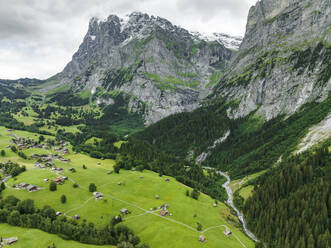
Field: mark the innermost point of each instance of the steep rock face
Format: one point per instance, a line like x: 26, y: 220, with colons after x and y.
x: 163, y: 67
x: 284, y: 59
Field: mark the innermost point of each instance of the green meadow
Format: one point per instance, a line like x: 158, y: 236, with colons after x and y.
x: 132, y: 190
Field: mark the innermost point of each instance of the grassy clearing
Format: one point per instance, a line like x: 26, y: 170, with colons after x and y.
x: 136, y: 193
x: 236, y: 184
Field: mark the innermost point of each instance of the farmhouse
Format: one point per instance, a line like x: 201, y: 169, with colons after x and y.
x: 32, y: 188
x: 58, y: 180
x: 164, y: 206
x: 10, y: 241
x: 164, y: 212
x: 227, y: 232
x: 202, y: 238
x: 124, y: 211
x: 98, y: 195
x: 23, y: 185
x: 76, y: 217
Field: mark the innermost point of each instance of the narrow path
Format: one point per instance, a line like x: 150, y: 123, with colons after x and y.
x: 151, y: 212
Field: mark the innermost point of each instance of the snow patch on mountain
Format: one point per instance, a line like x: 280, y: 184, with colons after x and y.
x: 231, y: 42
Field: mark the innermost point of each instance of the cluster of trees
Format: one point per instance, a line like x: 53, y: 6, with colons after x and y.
x: 180, y: 133
x: 12, y: 168
x: 25, y: 214
x: 291, y: 205
x: 252, y: 149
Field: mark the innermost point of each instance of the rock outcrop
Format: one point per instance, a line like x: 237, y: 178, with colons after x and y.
x: 284, y: 60
x: 161, y: 66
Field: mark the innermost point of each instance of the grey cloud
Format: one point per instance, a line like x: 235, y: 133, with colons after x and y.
x: 58, y: 27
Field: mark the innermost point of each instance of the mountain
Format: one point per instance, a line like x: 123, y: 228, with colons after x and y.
x: 284, y: 60
x: 162, y: 68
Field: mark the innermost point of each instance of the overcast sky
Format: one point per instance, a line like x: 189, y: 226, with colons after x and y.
x: 39, y: 37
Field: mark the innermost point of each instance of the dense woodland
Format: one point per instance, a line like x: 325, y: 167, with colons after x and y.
x: 291, y: 204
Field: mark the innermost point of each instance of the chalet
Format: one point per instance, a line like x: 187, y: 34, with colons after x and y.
x: 164, y: 212
x: 167, y: 180
x: 58, y: 180
x: 71, y: 169
x: 124, y: 211
x: 46, y: 180
x: 37, y: 164
x: 164, y: 206
x: 32, y: 188
x: 227, y: 232
x: 99, y: 163
x: 23, y: 185
x: 202, y: 238
x: 58, y: 213
x: 157, y: 197
x: 65, y: 178
x: 98, y: 195
x: 215, y: 205
x: 34, y: 156
x: 76, y: 217
x: 10, y: 241
x: 59, y: 169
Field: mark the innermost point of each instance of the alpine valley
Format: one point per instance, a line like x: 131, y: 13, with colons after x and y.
x: 157, y: 136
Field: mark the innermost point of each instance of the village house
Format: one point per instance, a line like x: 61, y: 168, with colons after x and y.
x: 98, y: 195
x: 164, y: 212
x: 202, y: 238
x: 164, y: 206
x: 124, y: 211
x: 76, y: 217
x: 58, y: 180
x: 22, y: 185
x: 32, y: 188
x: 227, y: 232
x: 10, y: 241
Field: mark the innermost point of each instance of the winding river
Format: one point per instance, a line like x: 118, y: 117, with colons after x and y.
x: 228, y: 189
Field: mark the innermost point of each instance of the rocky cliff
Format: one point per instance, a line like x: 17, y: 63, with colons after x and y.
x: 284, y: 60
x: 164, y: 69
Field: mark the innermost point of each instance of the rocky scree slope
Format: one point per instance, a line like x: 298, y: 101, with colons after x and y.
x: 164, y: 69
x: 284, y: 60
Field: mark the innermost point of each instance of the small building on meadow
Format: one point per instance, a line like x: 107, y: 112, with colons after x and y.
x: 76, y: 217
x: 202, y: 238
x: 227, y: 232
x: 58, y: 213
x: 157, y: 197
x: 164, y: 212
x: 32, y: 188
x: 23, y: 185
x: 167, y: 180
x: 10, y: 241
x: 124, y: 211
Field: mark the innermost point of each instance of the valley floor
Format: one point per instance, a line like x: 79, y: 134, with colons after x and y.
x: 136, y: 193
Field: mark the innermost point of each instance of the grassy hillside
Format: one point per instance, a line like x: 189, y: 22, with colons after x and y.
x: 136, y: 193
x: 38, y: 239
